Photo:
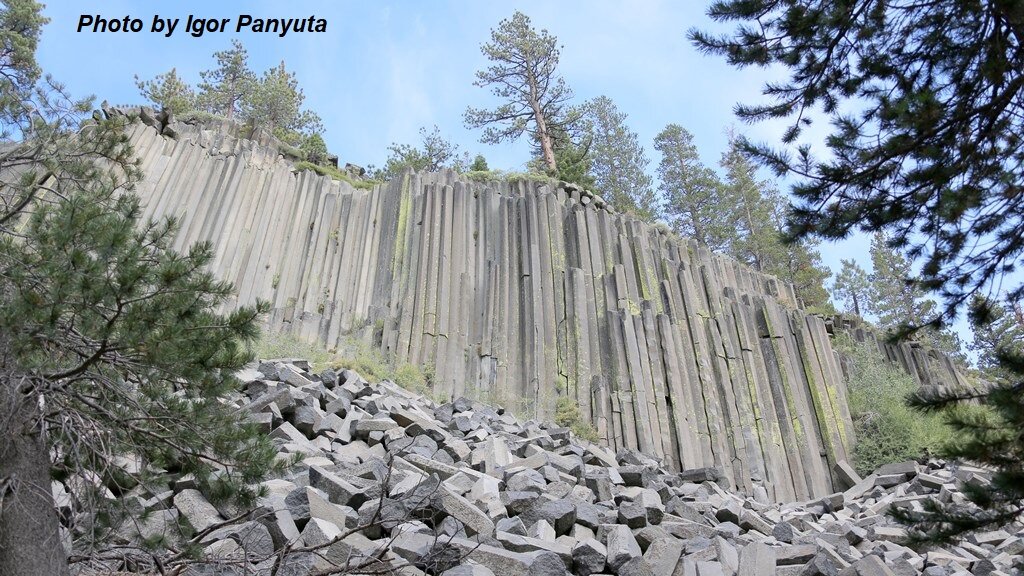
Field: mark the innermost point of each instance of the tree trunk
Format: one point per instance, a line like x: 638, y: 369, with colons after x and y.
x: 545, y: 146
x: 30, y: 540
x: 542, y: 126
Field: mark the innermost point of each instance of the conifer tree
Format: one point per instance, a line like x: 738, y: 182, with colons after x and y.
x: 895, y: 298
x: 852, y: 287
x: 535, y: 98
x: 434, y: 153
x: 479, y: 164
x: 110, y: 343
x: 898, y: 301
x: 314, y: 149
x: 276, y: 105
x: 618, y: 162
x: 931, y: 156
x: 692, y: 192
x: 226, y: 87
x: 1004, y: 331
x: 572, y: 154
x: 168, y: 91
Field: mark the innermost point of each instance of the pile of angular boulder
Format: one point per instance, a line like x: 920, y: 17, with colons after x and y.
x: 390, y: 482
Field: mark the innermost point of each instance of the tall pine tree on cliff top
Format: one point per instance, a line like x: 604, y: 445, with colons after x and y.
x: 926, y: 104
x: 694, y: 203
x: 618, y: 161
x: 226, y: 87
x: 535, y: 98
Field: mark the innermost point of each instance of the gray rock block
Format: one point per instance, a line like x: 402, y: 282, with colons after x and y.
x: 469, y: 569
x: 196, y: 510
x: 589, y: 557
x: 526, y: 481
x: 621, y: 544
x: 560, y: 514
x: 756, y: 559
x: 662, y: 556
x: 475, y: 521
x: 632, y: 514
x: 338, y: 490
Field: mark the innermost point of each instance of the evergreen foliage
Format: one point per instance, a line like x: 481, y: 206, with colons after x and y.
x: 852, y: 287
x: 272, y: 102
x: 931, y: 152
x: 572, y: 155
x: 694, y: 199
x: 898, y: 301
x: 168, y: 91
x: 1003, y: 330
x: 110, y: 344
x: 752, y: 202
x: 479, y: 164
x: 618, y: 162
x: 224, y: 89
x: 276, y: 105
x: 757, y: 212
x: 740, y: 214
x: 925, y: 103
x: 535, y: 98
x: 434, y: 153
x: 314, y: 149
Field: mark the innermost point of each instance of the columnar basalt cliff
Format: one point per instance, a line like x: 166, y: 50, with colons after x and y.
x: 521, y: 292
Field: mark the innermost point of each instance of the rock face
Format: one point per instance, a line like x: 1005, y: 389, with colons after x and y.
x: 377, y: 505
x: 519, y: 291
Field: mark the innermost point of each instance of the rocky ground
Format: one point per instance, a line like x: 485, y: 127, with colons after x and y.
x: 391, y: 482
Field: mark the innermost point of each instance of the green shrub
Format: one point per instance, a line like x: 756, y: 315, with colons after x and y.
x: 567, y: 414
x: 275, y: 345
x: 887, y: 430
x: 503, y: 176
x: 337, y: 174
x: 314, y: 149
x: 291, y: 152
x: 412, y: 378
x: 368, y: 361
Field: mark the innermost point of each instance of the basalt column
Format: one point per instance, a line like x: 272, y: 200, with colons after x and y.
x: 521, y: 292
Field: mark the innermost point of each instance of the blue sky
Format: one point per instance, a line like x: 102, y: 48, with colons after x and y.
x: 384, y: 69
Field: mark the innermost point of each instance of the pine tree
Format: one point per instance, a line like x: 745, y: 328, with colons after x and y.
x: 276, y: 105
x: 932, y: 155
x: 1004, y: 330
x: 168, y: 91
x: 694, y: 202
x: 759, y: 212
x: 479, y: 164
x: 314, y: 149
x: 799, y: 263
x: 110, y: 344
x: 572, y: 154
x: 852, y: 287
x: 753, y: 202
x: 433, y: 154
x: 895, y: 298
x: 898, y: 301
x: 619, y: 163
x: 226, y: 87
x: 535, y: 97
